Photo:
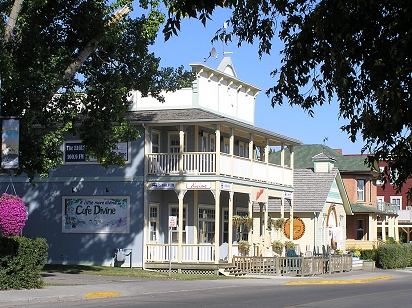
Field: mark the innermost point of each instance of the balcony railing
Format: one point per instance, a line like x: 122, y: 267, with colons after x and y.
x: 204, y: 163
x: 387, y: 207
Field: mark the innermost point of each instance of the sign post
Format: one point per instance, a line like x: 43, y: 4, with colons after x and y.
x: 172, y: 224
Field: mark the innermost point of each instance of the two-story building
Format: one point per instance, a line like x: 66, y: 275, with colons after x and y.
x: 400, y: 201
x: 371, y: 220
x: 200, y: 161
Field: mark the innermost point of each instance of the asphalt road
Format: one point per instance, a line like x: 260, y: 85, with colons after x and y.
x: 389, y: 292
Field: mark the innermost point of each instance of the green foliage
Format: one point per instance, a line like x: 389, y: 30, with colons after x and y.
x: 354, y: 52
x: 244, y: 247
x: 393, y: 256
x: 277, y: 247
x: 21, y: 260
x: 390, y: 240
x: 368, y: 254
x: 68, y: 68
x: 289, y: 245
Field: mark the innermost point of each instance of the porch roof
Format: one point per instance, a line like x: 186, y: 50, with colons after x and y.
x: 360, y: 208
x: 200, y: 116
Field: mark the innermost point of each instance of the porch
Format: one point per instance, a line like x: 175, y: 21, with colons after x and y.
x: 277, y: 266
x: 211, y: 163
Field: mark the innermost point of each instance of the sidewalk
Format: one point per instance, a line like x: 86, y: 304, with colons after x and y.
x: 72, y: 287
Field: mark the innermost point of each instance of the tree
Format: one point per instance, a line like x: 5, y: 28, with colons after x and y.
x: 355, y: 52
x: 67, y: 66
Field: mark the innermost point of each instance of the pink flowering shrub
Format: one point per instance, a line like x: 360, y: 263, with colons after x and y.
x: 12, y: 214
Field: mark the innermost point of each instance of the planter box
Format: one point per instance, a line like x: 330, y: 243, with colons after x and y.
x: 368, y: 265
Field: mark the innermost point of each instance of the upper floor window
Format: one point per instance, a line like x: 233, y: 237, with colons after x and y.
x: 226, y: 146
x: 212, y: 143
x: 174, y: 142
x: 396, y: 201
x: 361, y: 190
x: 155, y: 141
x: 241, y: 149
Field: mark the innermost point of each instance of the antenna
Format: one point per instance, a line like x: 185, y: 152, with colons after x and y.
x: 212, y: 53
x: 223, y: 43
x: 324, y: 143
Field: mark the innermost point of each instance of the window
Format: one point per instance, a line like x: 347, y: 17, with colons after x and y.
x: 241, y: 149
x: 396, y: 201
x: 360, y: 229
x: 153, y: 218
x: 226, y: 146
x: 174, y: 143
x: 225, y: 226
x: 212, y: 143
x: 155, y: 142
x: 206, y: 225
x: 243, y: 232
x: 361, y: 190
x: 205, y: 145
x: 174, y: 211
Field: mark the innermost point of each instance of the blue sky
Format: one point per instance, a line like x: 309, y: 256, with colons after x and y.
x: 193, y: 44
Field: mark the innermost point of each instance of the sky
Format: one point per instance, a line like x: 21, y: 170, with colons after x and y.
x: 193, y: 44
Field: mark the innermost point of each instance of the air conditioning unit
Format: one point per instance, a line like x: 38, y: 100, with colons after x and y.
x: 409, y: 208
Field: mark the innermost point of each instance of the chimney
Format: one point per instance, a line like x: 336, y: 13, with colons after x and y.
x: 339, y: 151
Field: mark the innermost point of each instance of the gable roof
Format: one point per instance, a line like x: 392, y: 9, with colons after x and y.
x: 314, y: 196
x: 304, y: 154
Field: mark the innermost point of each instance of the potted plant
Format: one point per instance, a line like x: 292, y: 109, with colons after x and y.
x: 289, y: 245
x: 277, y: 247
x: 243, y: 247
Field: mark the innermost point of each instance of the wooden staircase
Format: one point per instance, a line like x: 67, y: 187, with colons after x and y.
x: 231, y: 270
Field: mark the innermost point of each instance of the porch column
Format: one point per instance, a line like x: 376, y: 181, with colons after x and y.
x: 182, y: 148
x: 266, y: 242
x: 231, y: 149
x: 291, y: 219
x: 217, y: 132
x: 383, y: 228
x: 396, y: 229
x: 373, y: 228
x: 180, y: 226
x: 217, y: 222
x: 230, y: 226
x: 267, y: 159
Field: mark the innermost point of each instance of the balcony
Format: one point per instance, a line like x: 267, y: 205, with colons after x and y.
x: 387, y: 207
x: 206, y: 163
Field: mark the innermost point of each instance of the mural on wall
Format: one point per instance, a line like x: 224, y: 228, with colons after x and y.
x: 96, y: 215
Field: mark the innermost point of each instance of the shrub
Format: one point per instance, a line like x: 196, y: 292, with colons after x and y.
x: 12, y: 214
x: 392, y: 256
x: 21, y: 260
x: 368, y: 254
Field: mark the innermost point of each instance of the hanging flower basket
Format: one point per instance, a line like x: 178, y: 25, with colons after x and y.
x: 12, y: 214
x: 237, y: 221
x: 278, y: 223
x: 247, y: 222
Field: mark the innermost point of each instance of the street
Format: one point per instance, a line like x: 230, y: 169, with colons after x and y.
x: 394, y: 292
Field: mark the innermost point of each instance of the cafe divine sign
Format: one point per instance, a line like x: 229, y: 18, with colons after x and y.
x: 96, y: 214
